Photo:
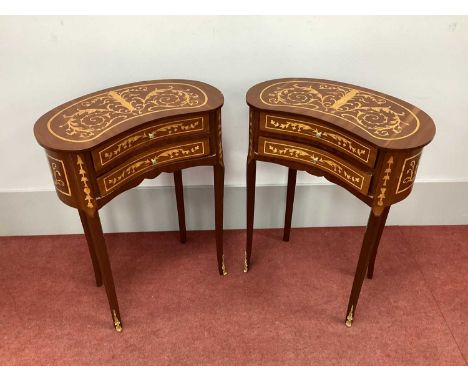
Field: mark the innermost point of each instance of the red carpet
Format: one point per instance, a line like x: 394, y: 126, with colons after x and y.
x: 288, y: 310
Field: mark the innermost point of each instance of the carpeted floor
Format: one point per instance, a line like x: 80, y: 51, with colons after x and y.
x: 288, y: 310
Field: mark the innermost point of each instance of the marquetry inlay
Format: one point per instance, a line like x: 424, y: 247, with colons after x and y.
x: 153, y: 159
x: 60, y: 175
x: 377, y: 115
x: 408, y: 173
x: 319, y: 132
x: 89, y: 118
x: 113, y: 151
x: 84, y: 179
x: 319, y: 159
x: 385, y: 179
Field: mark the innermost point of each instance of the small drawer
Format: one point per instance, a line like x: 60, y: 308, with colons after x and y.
x: 151, y: 159
x: 316, y: 131
x: 320, y: 159
x: 108, y: 153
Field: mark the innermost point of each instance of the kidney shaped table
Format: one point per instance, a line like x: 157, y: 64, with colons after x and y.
x: 105, y: 143
x: 365, y: 141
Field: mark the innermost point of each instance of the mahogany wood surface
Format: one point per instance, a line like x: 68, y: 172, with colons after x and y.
x: 365, y: 141
x: 104, y: 143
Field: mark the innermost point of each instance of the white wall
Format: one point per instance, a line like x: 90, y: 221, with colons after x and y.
x: 45, y: 61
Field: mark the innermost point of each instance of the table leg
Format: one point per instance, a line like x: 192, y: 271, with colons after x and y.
x: 218, y: 170
x: 179, y: 190
x: 92, y: 249
x: 97, y: 237
x: 373, y: 251
x: 251, y: 173
x: 289, y: 203
x: 371, y: 240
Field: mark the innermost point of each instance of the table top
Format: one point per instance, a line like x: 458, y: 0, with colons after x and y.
x: 87, y: 121
x: 383, y: 120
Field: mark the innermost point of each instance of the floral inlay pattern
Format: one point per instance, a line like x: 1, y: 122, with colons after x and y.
x: 154, y: 132
x: 383, y: 187
x: 318, y: 159
x: 59, y: 175
x: 320, y: 133
x: 87, y: 119
x: 408, y: 173
x: 378, y: 116
x: 157, y: 157
x: 84, y: 179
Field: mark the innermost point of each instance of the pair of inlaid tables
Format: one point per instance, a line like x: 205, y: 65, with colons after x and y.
x: 107, y: 142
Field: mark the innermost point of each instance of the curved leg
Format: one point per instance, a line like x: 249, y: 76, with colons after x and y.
x: 289, y: 203
x: 373, y: 251
x: 97, y: 237
x: 371, y: 240
x: 251, y: 172
x: 179, y: 190
x: 218, y: 170
x: 92, y: 249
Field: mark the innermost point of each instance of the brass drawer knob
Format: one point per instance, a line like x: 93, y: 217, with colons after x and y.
x: 318, y: 134
x: 151, y: 135
x: 154, y: 161
x: 315, y: 160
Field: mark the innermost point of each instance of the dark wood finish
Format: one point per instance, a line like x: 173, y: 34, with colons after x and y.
x: 91, y: 247
x: 364, y: 141
x: 289, y: 203
x: 179, y: 190
x: 251, y: 173
x: 370, y: 243
x: 373, y: 250
x: 97, y: 236
x: 107, y: 142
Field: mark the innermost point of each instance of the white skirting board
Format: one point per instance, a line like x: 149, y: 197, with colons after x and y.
x: 154, y: 209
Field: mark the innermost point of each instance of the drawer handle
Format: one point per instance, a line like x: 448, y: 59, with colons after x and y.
x: 315, y: 160
x: 154, y: 161
x: 318, y: 134
x: 151, y: 135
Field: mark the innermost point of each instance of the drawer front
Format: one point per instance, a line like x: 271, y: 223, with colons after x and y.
x: 321, y: 133
x: 317, y: 158
x: 107, y: 154
x: 150, y: 160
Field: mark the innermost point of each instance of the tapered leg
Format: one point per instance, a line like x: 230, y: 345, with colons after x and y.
x: 92, y: 249
x: 179, y: 190
x: 373, y: 251
x: 219, y: 197
x: 97, y: 237
x: 251, y: 172
x: 289, y: 203
x: 371, y: 240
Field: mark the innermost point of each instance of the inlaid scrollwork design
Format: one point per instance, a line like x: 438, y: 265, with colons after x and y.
x: 156, y: 158
x: 318, y: 159
x: 378, y: 116
x: 319, y: 132
x: 59, y: 175
x: 408, y: 173
x: 118, y: 148
x: 87, y: 119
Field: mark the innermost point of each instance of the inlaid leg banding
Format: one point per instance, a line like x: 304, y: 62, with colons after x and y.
x: 251, y: 172
x: 289, y: 203
x: 179, y: 190
x: 97, y: 237
x: 371, y: 240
